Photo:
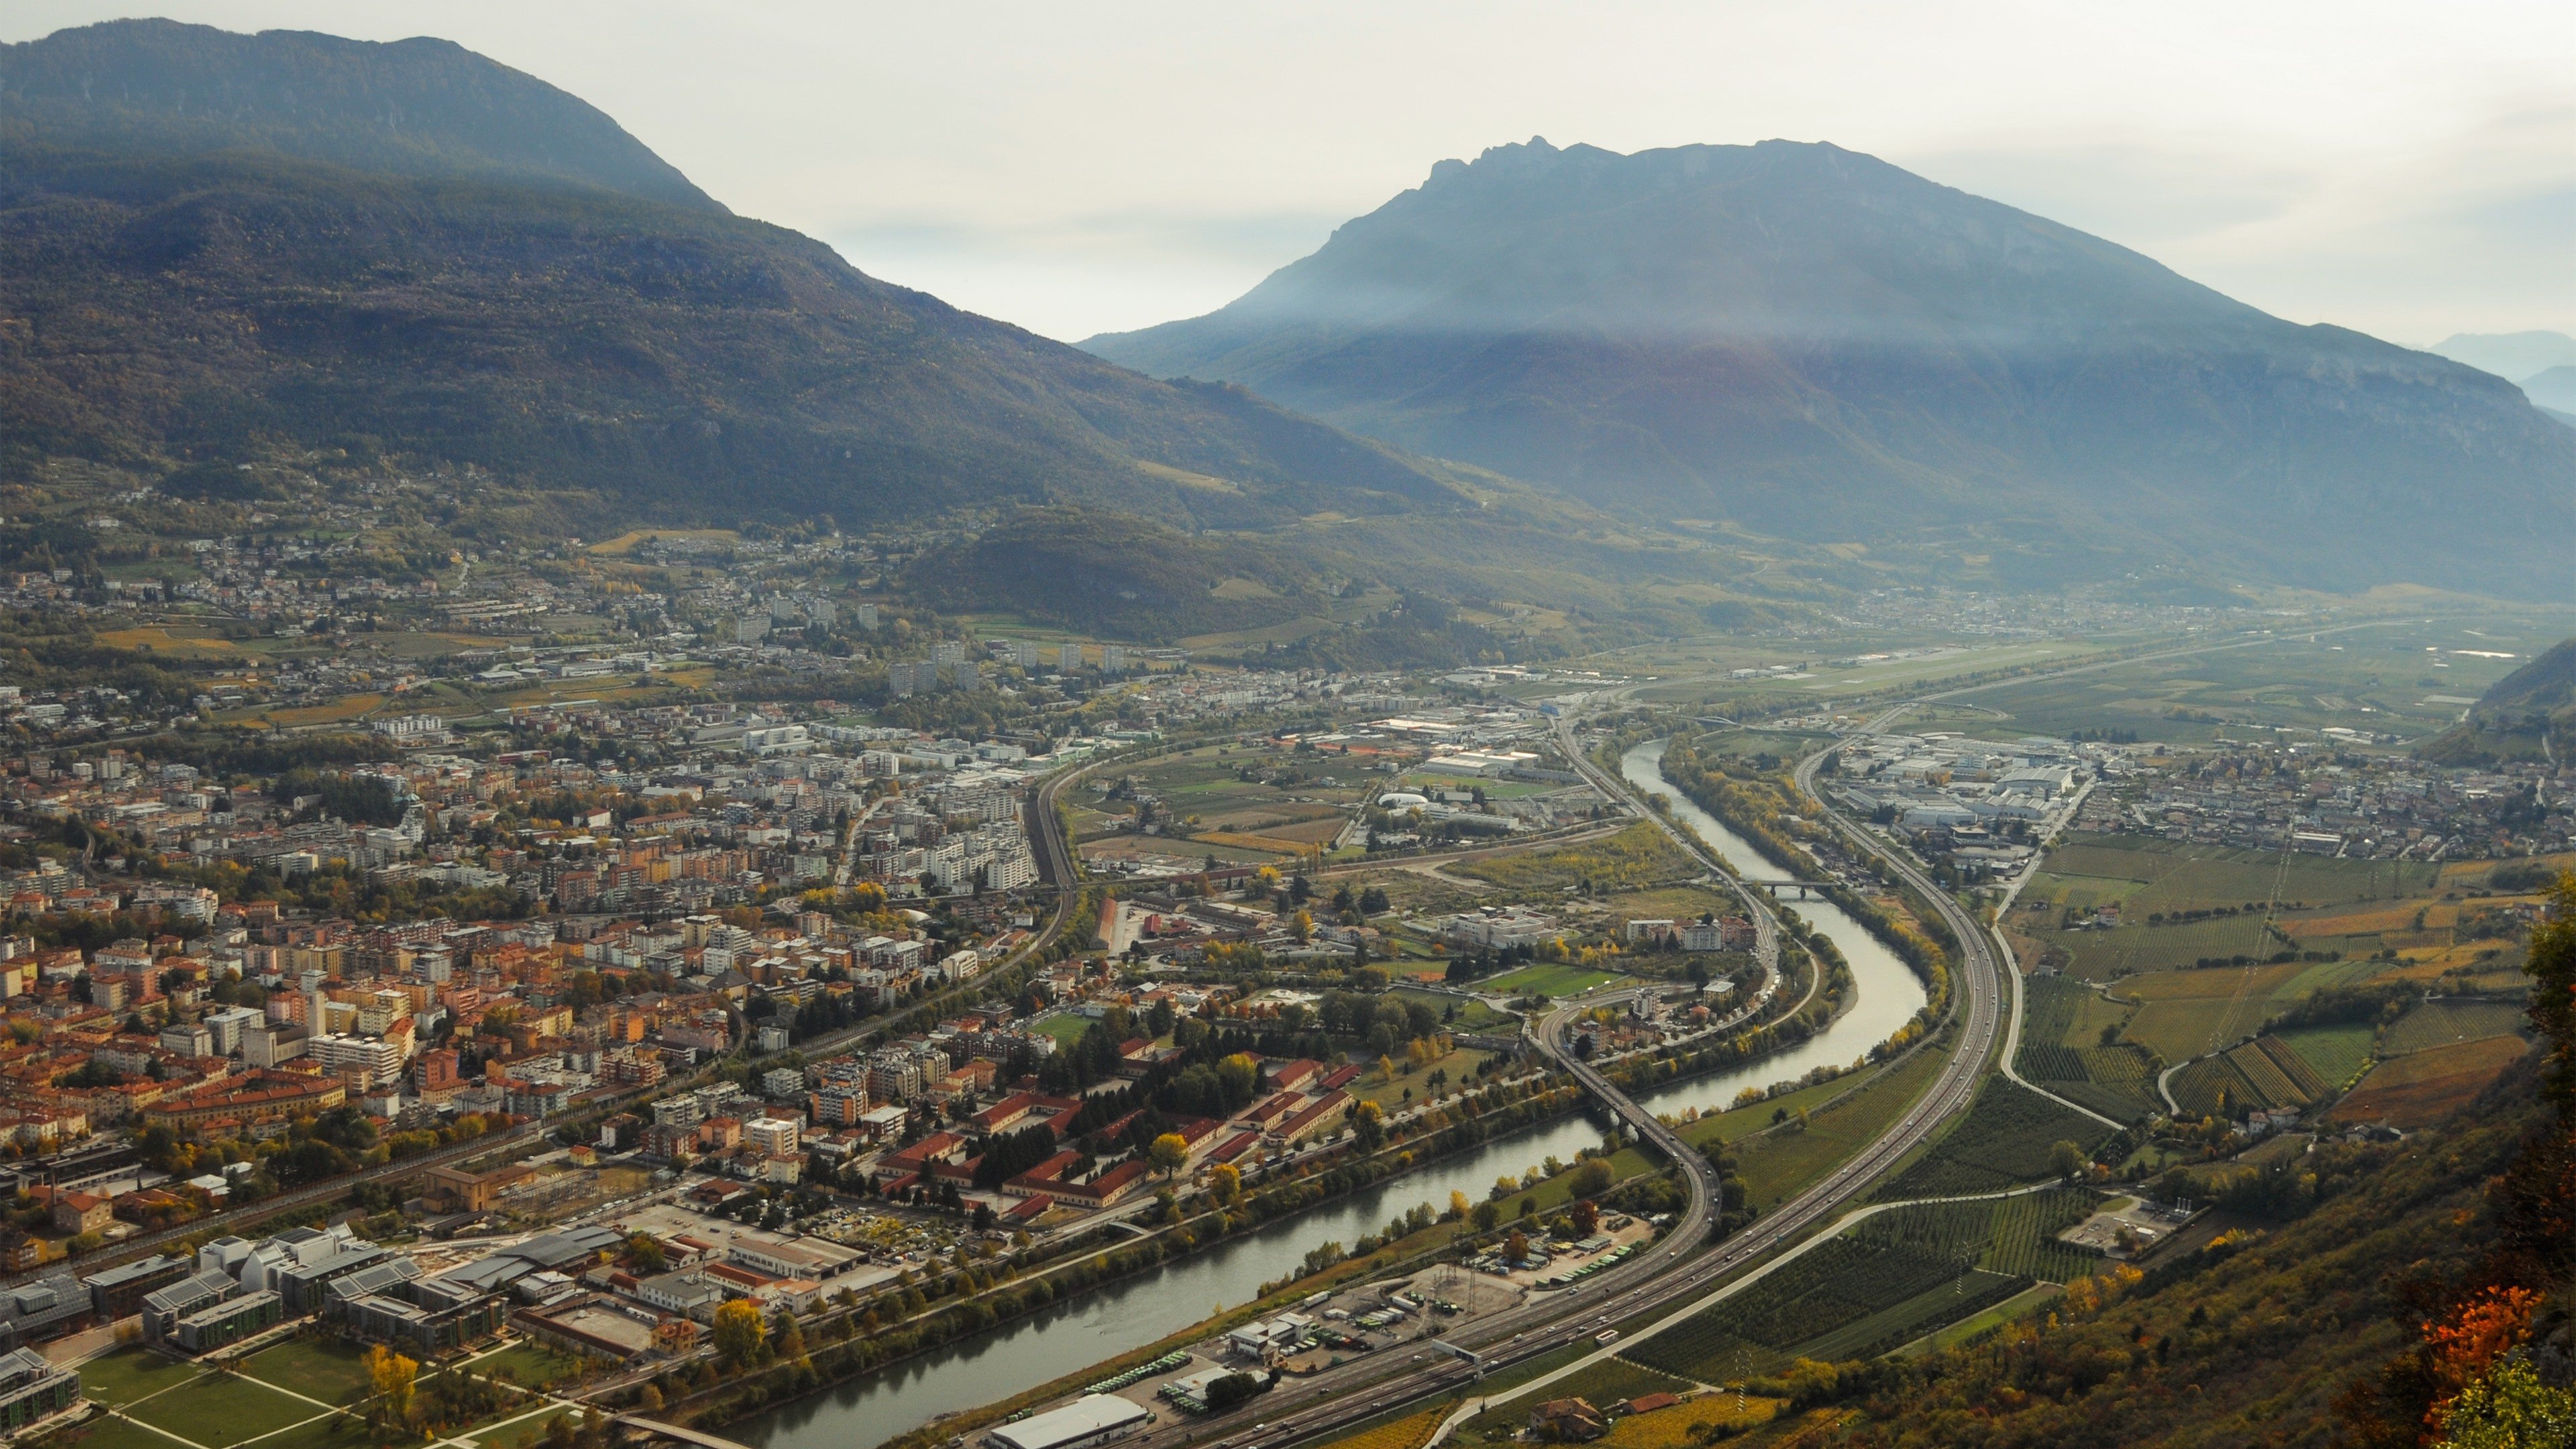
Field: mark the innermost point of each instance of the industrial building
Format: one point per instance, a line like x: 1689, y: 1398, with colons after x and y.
x: 1091, y: 1419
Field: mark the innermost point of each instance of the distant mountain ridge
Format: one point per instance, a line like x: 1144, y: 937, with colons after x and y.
x: 216, y: 246
x: 418, y: 106
x: 1816, y: 344
x: 2512, y: 356
x: 2529, y: 714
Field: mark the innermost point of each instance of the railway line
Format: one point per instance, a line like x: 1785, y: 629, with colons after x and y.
x: 1679, y: 1267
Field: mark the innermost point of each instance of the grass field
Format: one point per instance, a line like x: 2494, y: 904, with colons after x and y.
x: 2004, y: 1140
x: 219, y: 1410
x: 1473, y: 1014
x: 1777, y: 1164
x: 1552, y: 979
x: 528, y: 1365
x: 2448, y: 1023
x: 1414, y: 1082
x: 1992, y: 1318
x: 2280, y: 681
x: 2336, y: 1053
x: 1406, y: 1433
x: 1640, y: 855
x: 1065, y: 1027
x: 129, y: 1374
x: 2424, y: 1087
x: 2187, y: 1013
x: 324, y: 1369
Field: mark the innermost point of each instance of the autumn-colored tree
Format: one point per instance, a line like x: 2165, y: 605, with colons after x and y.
x: 1459, y: 1207
x: 391, y: 1378
x: 1587, y: 1217
x: 740, y: 1335
x: 1516, y: 1246
x: 1226, y: 1181
x: 1169, y: 1153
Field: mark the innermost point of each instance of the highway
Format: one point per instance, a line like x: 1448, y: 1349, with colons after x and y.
x: 1675, y: 1269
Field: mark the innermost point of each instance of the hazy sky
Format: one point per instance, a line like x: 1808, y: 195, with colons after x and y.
x: 2406, y: 169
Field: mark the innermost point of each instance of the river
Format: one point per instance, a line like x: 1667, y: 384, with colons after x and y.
x: 1116, y: 1317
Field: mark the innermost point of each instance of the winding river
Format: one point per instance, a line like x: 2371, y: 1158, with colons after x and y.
x: 1116, y: 1317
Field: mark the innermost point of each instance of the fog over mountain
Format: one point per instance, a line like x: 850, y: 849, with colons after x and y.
x: 1814, y: 343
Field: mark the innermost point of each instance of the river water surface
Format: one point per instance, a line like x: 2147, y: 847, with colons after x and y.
x: 1116, y: 1317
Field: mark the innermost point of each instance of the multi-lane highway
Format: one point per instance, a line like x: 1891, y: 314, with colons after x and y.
x: 1676, y: 1269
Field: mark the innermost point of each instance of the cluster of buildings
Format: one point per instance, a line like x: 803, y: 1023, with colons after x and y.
x: 2329, y: 802
x: 1980, y: 805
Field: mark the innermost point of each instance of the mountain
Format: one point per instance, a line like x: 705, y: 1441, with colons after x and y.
x: 2512, y: 356
x: 1815, y: 344
x: 223, y: 248
x: 2529, y: 714
x: 420, y: 106
x: 2554, y: 388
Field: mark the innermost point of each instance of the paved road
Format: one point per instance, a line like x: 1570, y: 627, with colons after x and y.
x: 1366, y: 1387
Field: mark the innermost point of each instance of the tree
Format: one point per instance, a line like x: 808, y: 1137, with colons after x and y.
x: 1592, y: 1178
x: 1226, y: 1181
x: 2067, y: 1160
x: 1169, y: 1154
x: 1486, y: 1215
x: 1587, y: 1217
x: 740, y: 1335
x: 1516, y: 1246
x: 1368, y: 1126
x: 646, y: 1252
x: 390, y: 1376
x: 1459, y: 1207
x: 1302, y: 924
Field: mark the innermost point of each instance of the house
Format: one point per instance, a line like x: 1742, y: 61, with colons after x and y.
x: 81, y: 1212
x: 1567, y: 1421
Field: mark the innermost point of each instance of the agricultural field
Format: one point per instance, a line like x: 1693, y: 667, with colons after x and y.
x: 2187, y: 1013
x: 2375, y: 678
x: 2062, y: 1048
x: 2216, y: 903
x: 2423, y: 1087
x: 1603, y: 1383
x: 1689, y: 1425
x: 2264, y: 1072
x: 1883, y: 1283
x: 2448, y: 1023
x: 1241, y: 803
x: 2005, y: 1139
x: 1637, y: 856
x: 2335, y: 1053
x: 1779, y: 1161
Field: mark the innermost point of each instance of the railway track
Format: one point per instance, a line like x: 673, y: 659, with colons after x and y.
x: 1677, y: 1268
